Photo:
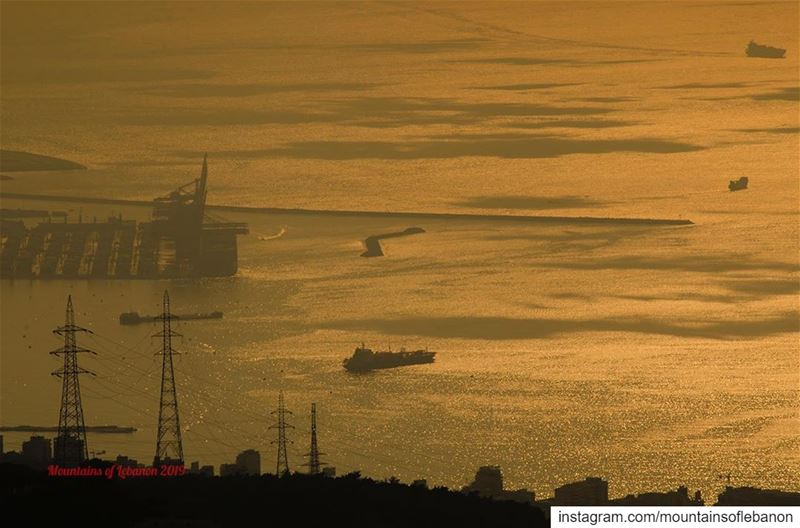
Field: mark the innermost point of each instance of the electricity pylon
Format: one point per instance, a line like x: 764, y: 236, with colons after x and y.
x: 70, y: 443
x: 169, y: 446
x: 313, y: 453
x: 282, y: 466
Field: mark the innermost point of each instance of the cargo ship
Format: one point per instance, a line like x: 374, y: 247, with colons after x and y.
x: 764, y: 52
x: 179, y: 242
x: 364, y: 359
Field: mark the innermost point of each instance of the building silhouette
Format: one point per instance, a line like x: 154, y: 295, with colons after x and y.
x: 197, y: 469
x: 593, y: 491
x: 679, y: 497
x: 37, y: 452
x: 71, y: 448
x: 747, y: 496
x: 125, y: 461
x: 489, y: 483
x: 231, y: 470
x: 250, y: 461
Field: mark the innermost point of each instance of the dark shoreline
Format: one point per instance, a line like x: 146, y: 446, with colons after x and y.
x: 101, y: 429
x: 372, y: 214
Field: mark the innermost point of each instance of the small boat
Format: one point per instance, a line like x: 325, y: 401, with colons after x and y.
x: 738, y: 185
x: 764, y: 52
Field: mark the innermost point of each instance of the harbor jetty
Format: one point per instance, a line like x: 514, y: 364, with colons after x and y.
x: 373, y: 243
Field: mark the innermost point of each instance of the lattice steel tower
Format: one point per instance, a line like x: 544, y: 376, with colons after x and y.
x: 282, y: 466
x: 313, y: 453
x: 70, y: 444
x: 169, y: 447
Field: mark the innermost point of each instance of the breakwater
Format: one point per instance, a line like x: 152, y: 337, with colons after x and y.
x: 376, y: 214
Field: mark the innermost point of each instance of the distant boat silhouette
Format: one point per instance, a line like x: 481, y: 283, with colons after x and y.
x: 764, y: 52
x: 738, y: 185
x: 132, y: 318
x: 364, y: 359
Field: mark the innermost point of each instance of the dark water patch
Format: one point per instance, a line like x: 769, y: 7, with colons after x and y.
x: 776, y: 130
x: 684, y: 296
x: 251, y: 89
x: 379, y: 112
x: 791, y: 93
x: 571, y: 123
x: 398, y: 111
x: 225, y: 117
x: 522, y: 87
x: 518, y: 61
x: 701, y: 86
x: 19, y: 161
x: 149, y: 163
x: 530, y: 202
x: 718, y: 5
x: 694, y: 263
x: 425, y: 47
x: 545, y: 61
x: 764, y: 287
x: 516, y: 147
x: 572, y: 296
x: 102, y: 73
x: 750, y: 212
x: 502, y: 328
x: 619, y: 99
x: 568, y: 236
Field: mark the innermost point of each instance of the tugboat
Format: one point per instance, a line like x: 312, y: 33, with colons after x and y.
x: 738, y: 185
x: 764, y: 52
x: 364, y: 359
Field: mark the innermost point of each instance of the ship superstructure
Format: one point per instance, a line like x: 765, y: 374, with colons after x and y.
x: 181, y: 240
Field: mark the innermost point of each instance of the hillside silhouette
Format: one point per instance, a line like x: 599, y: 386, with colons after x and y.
x: 300, y: 499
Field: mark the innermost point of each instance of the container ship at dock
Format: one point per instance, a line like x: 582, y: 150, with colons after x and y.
x: 180, y: 241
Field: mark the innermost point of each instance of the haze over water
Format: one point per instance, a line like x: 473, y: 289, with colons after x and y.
x: 651, y: 356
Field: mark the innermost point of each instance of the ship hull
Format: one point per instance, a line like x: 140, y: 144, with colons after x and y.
x: 776, y: 54
x: 389, y: 360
